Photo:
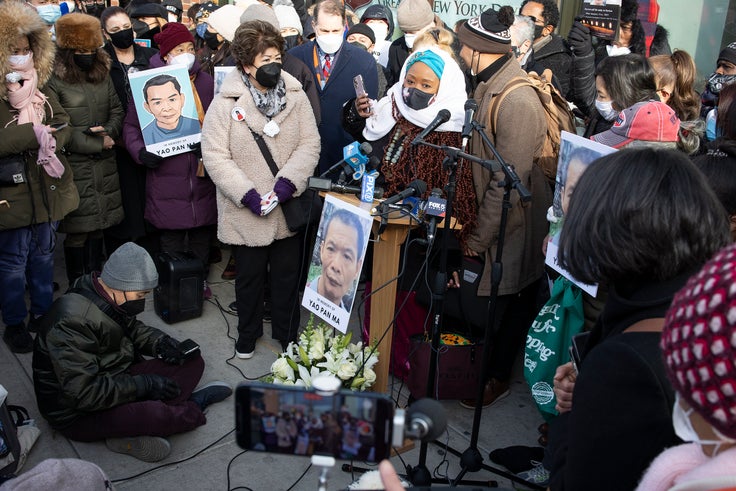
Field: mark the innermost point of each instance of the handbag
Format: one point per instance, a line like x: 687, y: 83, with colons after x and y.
x: 300, y: 211
x: 458, y: 367
x: 13, y: 170
x: 548, y: 342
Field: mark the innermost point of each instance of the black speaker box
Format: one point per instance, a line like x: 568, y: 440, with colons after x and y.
x: 179, y: 295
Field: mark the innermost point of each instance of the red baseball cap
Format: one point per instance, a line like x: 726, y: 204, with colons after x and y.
x: 648, y: 121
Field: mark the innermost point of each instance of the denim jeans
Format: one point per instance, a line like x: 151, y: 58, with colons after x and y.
x: 26, y: 258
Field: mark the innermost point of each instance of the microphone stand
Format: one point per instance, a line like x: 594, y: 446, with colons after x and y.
x: 471, y: 459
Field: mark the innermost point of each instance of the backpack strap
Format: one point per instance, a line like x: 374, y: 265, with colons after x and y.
x: 514, y: 83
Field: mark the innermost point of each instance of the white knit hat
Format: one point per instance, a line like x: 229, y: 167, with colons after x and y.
x: 226, y: 20
x: 288, y: 17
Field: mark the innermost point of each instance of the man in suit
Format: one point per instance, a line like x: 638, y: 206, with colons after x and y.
x: 334, y: 63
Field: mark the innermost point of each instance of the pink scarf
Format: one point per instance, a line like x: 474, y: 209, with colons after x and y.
x: 26, y: 98
x: 47, y: 151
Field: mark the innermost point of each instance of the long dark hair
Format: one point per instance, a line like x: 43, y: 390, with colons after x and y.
x: 641, y: 214
x: 629, y: 79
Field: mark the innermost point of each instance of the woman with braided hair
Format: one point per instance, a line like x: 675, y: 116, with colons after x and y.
x: 431, y: 80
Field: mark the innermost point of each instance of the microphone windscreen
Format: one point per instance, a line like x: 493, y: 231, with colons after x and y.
x: 471, y: 104
x: 366, y: 148
x: 419, y: 186
x: 433, y: 413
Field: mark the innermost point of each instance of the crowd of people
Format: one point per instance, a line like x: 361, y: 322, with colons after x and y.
x: 275, y: 99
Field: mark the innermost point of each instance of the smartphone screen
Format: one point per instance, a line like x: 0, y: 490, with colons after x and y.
x: 59, y: 126
x: 296, y: 421
x: 358, y: 85
x: 188, y: 347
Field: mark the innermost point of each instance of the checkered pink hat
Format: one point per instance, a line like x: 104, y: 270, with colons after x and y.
x: 699, y: 342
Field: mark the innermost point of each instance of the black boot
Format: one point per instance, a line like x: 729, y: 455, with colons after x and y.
x: 74, y: 260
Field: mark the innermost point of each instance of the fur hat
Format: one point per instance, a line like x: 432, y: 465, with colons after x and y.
x: 19, y: 18
x: 414, y: 15
x: 171, y: 36
x: 130, y: 269
x: 699, y: 342
x: 79, y: 31
x: 261, y: 12
x: 489, y: 32
x: 287, y: 16
x: 226, y: 20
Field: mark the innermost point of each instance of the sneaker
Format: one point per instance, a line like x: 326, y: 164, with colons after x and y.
x: 536, y: 475
x: 245, y: 350
x: 211, y: 393
x: 18, y: 338
x: 229, y: 272
x: 145, y: 448
x: 495, y: 391
x: 207, y: 291
x: 517, y: 458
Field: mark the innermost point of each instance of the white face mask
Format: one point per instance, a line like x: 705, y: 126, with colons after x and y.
x: 380, y: 30
x: 19, y: 60
x: 330, y: 43
x: 617, y: 50
x: 606, y: 110
x: 186, y: 59
x: 409, y: 40
x: 684, y: 428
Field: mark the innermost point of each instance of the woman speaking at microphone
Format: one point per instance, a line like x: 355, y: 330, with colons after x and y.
x: 431, y: 80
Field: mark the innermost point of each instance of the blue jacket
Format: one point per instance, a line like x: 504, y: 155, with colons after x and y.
x: 351, y: 61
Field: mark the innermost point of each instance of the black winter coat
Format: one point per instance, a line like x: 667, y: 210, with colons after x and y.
x: 83, y: 351
x: 556, y: 56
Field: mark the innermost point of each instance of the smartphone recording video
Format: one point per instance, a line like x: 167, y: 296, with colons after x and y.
x: 296, y: 421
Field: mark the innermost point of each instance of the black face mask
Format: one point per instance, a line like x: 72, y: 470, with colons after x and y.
x: 122, y: 39
x: 268, y: 75
x: 538, y: 31
x: 132, y: 307
x: 84, y: 62
x: 210, y: 39
x: 415, y: 98
x: 291, y: 41
x: 95, y: 10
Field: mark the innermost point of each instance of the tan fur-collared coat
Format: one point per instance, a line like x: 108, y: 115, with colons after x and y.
x: 236, y: 165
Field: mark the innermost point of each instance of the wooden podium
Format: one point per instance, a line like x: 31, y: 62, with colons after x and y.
x: 386, y: 254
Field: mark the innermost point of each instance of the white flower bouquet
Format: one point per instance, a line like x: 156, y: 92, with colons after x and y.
x: 320, y: 351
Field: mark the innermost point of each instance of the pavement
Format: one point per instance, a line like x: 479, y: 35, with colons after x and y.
x: 209, y: 457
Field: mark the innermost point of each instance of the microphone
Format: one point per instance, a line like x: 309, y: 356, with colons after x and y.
x: 442, y: 117
x: 426, y: 420
x: 324, y: 184
x: 373, y: 163
x: 434, y: 208
x: 470, y: 107
x: 417, y: 187
x: 354, y: 155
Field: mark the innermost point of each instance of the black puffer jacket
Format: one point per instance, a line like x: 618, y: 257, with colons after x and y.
x: 82, y: 353
x: 556, y: 56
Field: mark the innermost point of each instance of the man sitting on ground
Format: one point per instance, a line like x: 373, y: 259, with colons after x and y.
x: 89, y: 374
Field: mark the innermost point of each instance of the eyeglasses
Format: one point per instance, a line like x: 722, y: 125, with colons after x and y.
x: 538, y: 22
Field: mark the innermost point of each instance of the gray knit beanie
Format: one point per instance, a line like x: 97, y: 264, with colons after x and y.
x: 130, y: 269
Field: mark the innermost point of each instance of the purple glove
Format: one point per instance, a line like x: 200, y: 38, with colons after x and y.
x: 252, y: 201
x: 284, y: 189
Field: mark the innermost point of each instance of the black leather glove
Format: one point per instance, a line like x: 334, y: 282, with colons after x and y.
x: 155, y: 387
x: 579, y: 39
x: 150, y: 160
x: 196, y: 148
x: 167, y: 349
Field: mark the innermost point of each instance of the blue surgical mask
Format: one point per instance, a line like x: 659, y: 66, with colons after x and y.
x: 201, y: 29
x: 50, y: 13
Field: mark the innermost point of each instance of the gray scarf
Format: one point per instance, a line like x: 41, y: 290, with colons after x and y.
x: 270, y: 103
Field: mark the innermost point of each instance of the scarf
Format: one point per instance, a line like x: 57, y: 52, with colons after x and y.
x: 197, y: 100
x: 47, y: 151
x: 271, y: 102
x: 451, y: 95
x: 26, y: 98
